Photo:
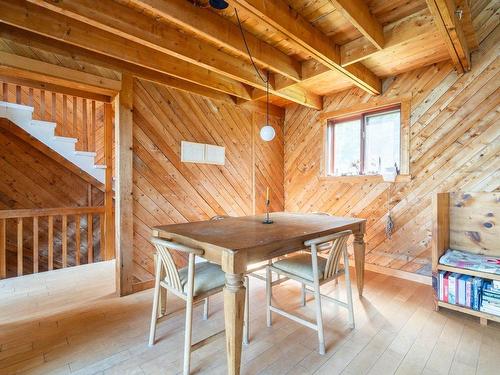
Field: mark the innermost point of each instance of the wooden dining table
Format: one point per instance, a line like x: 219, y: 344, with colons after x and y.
x: 236, y: 242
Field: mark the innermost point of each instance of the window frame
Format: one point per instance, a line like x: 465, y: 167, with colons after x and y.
x: 358, y: 112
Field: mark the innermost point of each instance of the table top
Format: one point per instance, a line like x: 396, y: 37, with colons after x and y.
x: 248, y: 233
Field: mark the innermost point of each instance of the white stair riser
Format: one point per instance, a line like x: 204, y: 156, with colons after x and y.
x: 44, y: 131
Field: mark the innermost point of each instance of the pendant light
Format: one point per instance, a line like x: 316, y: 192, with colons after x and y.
x: 218, y: 4
x: 267, y: 132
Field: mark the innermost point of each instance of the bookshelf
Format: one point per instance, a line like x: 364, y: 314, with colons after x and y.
x: 455, y: 216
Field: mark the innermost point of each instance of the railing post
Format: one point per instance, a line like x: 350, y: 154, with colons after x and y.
x: 3, y: 253
x: 108, y: 189
x: 64, y: 240
x: 90, y: 239
x: 20, y: 246
x: 50, y: 243
x: 35, y: 244
x: 77, y: 240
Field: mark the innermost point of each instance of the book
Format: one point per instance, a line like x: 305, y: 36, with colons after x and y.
x: 452, y: 288
x: 496, y: 284
x: 461, y: 289
x: 441, y: 286
x: 477, y: 284
x: 445, y: 286
x: 468, y: 292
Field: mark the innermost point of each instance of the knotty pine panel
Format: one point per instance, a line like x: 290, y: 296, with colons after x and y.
x: 454, y: 145
x: 168, y: 191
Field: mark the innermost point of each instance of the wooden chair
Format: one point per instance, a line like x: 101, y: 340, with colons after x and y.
x: 193, y: 283
x: 313, y: 270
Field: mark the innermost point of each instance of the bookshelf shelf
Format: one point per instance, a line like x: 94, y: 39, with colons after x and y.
x: 463, y: 271
x: 466, y: 310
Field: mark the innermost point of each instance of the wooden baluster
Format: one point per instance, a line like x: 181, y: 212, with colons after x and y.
x: 75, y: 118
x: 102, y: 244
x: 64, y: 240
x: 18, y: 94
x: 35, y: 244
x: 77, y: 239
x: 54, y: 108
x: 90, y: 239
x: 85, y: 130
x: 5, y: 91
x: 92, y: 146
x: 20, y: 246
x: 42, y: 105
x: 3, y: 253
x: 30, y: 96
x: 64, y: 129
x: 51, y: 243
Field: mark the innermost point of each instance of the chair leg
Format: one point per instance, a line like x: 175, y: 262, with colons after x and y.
x: 246, y: 316
x: 189, y: 316
x: 348, y: 290
x: 303, y: 294
x: 319, y: 319
x: 205, y: 309
x: 268, y: 296
x: 156, y: 297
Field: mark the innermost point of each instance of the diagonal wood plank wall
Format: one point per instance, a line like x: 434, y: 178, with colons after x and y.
x: 168, y: 191
x: 454, y: 145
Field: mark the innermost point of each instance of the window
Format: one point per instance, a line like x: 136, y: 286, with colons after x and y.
x: 364, y: 144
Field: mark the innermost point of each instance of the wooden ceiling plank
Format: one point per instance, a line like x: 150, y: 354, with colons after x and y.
x: 357, y: 12
x: 127, y: 23
x: 451, y: 30
x: 278, y: 15
x: 42, y: 21
x: 396, y: 34
x: 218, y: 30
x: 23, y: 67
x: 79, y: 54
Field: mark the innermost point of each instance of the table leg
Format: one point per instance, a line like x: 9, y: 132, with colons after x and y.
x: 234, y: 303
x: 359, y: 260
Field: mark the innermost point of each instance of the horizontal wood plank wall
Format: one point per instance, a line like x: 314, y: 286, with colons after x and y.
x: 168, y: 191
x: 454, y: 145
x: 30, y: 179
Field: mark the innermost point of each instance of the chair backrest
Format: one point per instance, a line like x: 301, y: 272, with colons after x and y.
x: 164, y: 249
x: 337, y: 243
x: 219, y: 217
x: 327, y: 245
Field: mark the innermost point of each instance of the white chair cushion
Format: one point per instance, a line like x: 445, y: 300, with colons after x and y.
x: 301, y: 265
x: 207, y: 276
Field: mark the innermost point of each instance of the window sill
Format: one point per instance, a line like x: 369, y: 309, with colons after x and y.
x: 364, y: 179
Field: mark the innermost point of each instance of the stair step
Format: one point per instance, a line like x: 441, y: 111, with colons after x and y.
x: 99, y: 166
x: 65, y: 139
x: 86, y: 153
x: 44, y: 124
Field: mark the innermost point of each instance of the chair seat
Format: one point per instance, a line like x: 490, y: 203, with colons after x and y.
x: 207, y: 277
x: 301, y: 265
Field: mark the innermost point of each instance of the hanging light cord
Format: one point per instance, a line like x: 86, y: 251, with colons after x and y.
x: 248, y: 51
x: 266, y: 80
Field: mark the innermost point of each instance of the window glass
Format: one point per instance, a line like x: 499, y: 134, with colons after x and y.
x: 382, y: 143
x: 346, y: 148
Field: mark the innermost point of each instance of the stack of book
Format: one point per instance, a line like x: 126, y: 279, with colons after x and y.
x: 458, y: 289
x: 490, y: 302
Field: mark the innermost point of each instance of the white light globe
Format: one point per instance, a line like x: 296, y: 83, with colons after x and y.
x: 267, y: 133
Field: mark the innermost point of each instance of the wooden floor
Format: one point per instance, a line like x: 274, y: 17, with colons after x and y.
x: 69, y: 322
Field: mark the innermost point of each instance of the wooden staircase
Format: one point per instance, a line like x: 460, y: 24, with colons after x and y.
x: 44, y: 131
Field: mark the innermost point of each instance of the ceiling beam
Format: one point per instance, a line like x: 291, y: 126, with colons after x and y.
x: 42, y: 21
x: 357, y: 12
x: 279, y: 16
x: 25, y: 68
x: 396, y: 35
x: 218, y: 30
x: 452, y: 32
x: 132, y: 25
x: 80, y: 55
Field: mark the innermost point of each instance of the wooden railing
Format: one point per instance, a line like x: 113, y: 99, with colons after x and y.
x: 56, y: 238
x: 76, y: 117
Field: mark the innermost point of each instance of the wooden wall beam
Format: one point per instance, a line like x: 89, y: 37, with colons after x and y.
x: 25, y: 68
x: 357, y: 12
x: 280, y: 17
x: 124, y: 215
x: 451, y: 30
x: 109, y: 249
x: 82, y: 55
x: 42, y: 21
